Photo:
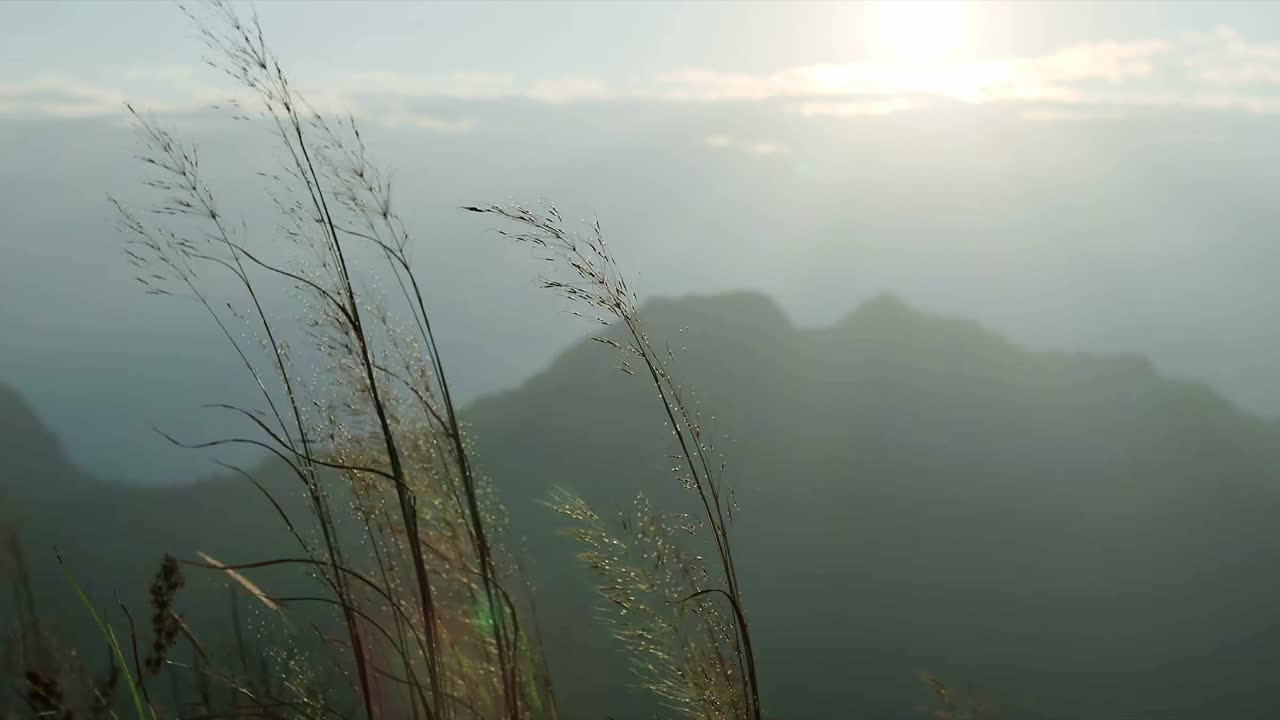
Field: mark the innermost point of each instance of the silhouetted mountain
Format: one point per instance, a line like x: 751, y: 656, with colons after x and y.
x: 1077, y: 534
x: 34, y: 464
x: 111, y: 537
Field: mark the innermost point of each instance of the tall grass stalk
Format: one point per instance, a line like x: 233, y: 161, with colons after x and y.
x: 144, y: 709
x: 379, y: 419
x: 591, y: 279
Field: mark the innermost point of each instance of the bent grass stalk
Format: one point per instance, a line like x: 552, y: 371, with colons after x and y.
x: 144, y: 710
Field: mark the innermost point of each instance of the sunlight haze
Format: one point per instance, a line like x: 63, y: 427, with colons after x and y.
x: 971, y: 303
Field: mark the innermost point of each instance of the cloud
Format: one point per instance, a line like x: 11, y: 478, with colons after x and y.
x: 858, y: 108
x: 762, y: 148
x: 1047, y: 77
x: 1217, y: 70
x: 1225, y: 58
x: 1053, y: 115
x: 381, y: 95
x: 568, y: 89
x: 766, y: 148
x: 1212, y: 70
x: 422, y: 121
x: 154, y: 89
x: 57, y: 96
x: 157, y: 89
x: 1113, y: 62
x: 457, y: 86
x: 473, y: 86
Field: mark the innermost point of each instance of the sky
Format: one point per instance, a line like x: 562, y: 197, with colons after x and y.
x: 1093, y: 177
x: 76, y: 59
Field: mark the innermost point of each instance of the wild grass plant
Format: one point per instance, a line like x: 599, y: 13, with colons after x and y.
x: 682, y: 618
x: 53, y: 681
x: 436, y: 618
x: 325, y: 312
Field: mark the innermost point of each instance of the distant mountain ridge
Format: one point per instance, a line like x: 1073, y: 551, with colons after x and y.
x: 34, y: 463
x: 949, y: 500
x: 1078, y: 534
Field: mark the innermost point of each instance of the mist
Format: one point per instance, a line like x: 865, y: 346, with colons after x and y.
x: 980, y: 323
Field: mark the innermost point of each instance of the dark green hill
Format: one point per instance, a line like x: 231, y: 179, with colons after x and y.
x: 34, y: 463
x: 1079, y: 535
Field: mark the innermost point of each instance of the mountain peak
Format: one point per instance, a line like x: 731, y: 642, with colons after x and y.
x: 886, y: 316
x: 25, y: 432
x: 35, y: 461
x: 885, y: 302
x: 734, y: 308
x: 886, y: 307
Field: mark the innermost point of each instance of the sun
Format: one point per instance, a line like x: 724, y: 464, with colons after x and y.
x: 922, y: 32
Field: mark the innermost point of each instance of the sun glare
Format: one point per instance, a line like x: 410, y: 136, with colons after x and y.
x: 922, y: 32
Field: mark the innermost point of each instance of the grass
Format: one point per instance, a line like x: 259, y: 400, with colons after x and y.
x: 436, y: 619
x: 145, y: 709
x: 382, y: 417
x: 705, y: 668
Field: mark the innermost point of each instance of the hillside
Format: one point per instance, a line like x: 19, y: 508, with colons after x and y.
x: 1077, y: 534
x: 35, y: 465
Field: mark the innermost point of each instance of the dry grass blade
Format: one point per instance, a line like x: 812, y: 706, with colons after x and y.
x: 375, y: 423
x: 242, y: 581
x: 590, y: 278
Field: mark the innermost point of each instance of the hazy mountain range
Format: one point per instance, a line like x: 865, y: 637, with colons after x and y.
x: 1153, y: 233
x: 1077, y: 534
